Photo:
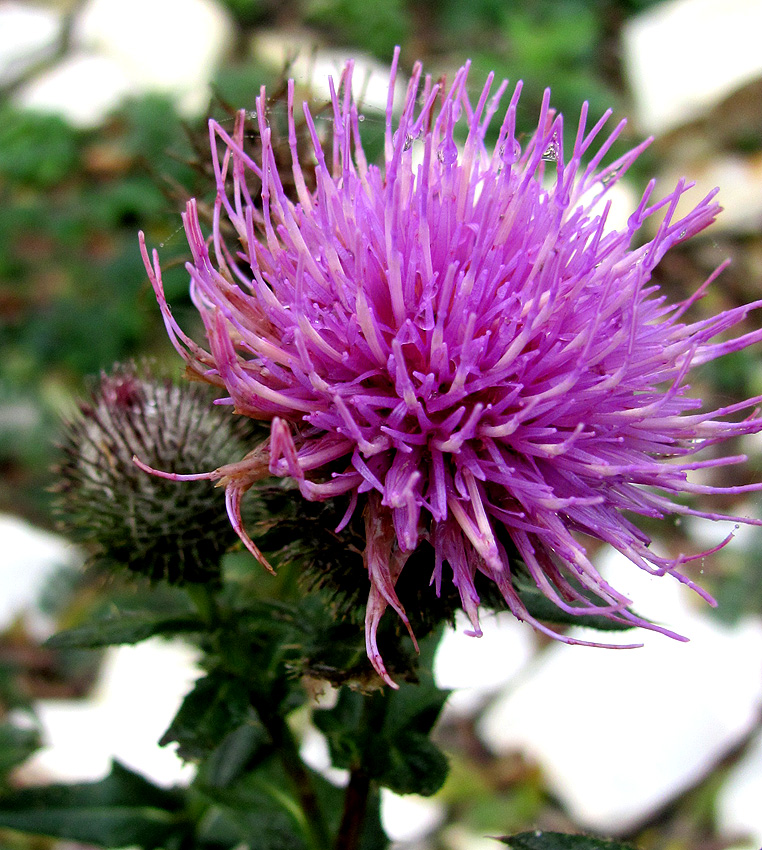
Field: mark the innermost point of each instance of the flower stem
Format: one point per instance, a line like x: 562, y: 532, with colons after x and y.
x: 355, y: 807
x: 288, y: 752
x: 358, y: 790
x: 313, y: 822
x: 204, y: 601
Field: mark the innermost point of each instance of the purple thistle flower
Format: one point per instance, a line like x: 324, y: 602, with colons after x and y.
x: 459, y: 344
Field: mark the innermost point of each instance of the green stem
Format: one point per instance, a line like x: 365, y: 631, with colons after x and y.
x: 288, y: 752
x: 313, y: 822
x: 358, y: 790
x: 355, y: 808
x: 205, y: 603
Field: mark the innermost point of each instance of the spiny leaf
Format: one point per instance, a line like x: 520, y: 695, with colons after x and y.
x: 540, y: 840
x: 127, y: 627
x: 122, y: 809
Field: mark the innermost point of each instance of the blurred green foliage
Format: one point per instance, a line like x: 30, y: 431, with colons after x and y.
x: 374, y: 27
x: 36, y: 151
x: 73, y: 293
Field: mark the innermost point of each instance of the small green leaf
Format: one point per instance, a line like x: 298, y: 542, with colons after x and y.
x: 127, y: 627
x: 388, y: 733
x: 240, y: 749
x: 414, y: 764
x: 16, y: 745
x: 122, y: 809
x: 411, y: 763
x: 257, y: 811
x: 218, y: 704
x: 539, y: 840
x: 259, y: 643
x: 341, y: 725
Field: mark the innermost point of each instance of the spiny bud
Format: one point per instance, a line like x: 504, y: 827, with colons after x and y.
x: 149, y: 524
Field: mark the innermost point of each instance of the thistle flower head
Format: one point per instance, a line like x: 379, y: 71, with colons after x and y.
x: 457, y: 343
x: 150, y: 525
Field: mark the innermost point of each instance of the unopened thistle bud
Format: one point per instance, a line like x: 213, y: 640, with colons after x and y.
x: 150, y: 525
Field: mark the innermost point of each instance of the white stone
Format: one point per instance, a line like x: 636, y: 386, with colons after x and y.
x: 478, y: 667
x: 410, y: 817
x: 619, y: 734
x: 27, y: 34
x: 138, y: 693
x: 457, y: 837
x: 169, y: 46
x: 312, y: 65
x: 313, y: 749
x: 621, y: 199
x: 139, y: 687
x: 739, y: 179
x: 127, y: 49
x: 685, y: 56
x: 739, y: 802
x: 30, y: 557
x: 84, y: 88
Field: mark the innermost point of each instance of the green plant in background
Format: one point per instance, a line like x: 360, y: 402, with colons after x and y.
x: 69, y: 203
x: 376, y: 28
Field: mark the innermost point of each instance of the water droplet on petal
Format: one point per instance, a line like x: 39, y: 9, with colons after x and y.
x: 360, y: 117
x: 644, y: 256
x: 550, y: 154
x: 683, y: 233
x: 447, y: 152
x: 408, y: 143
x: 510, y: 151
